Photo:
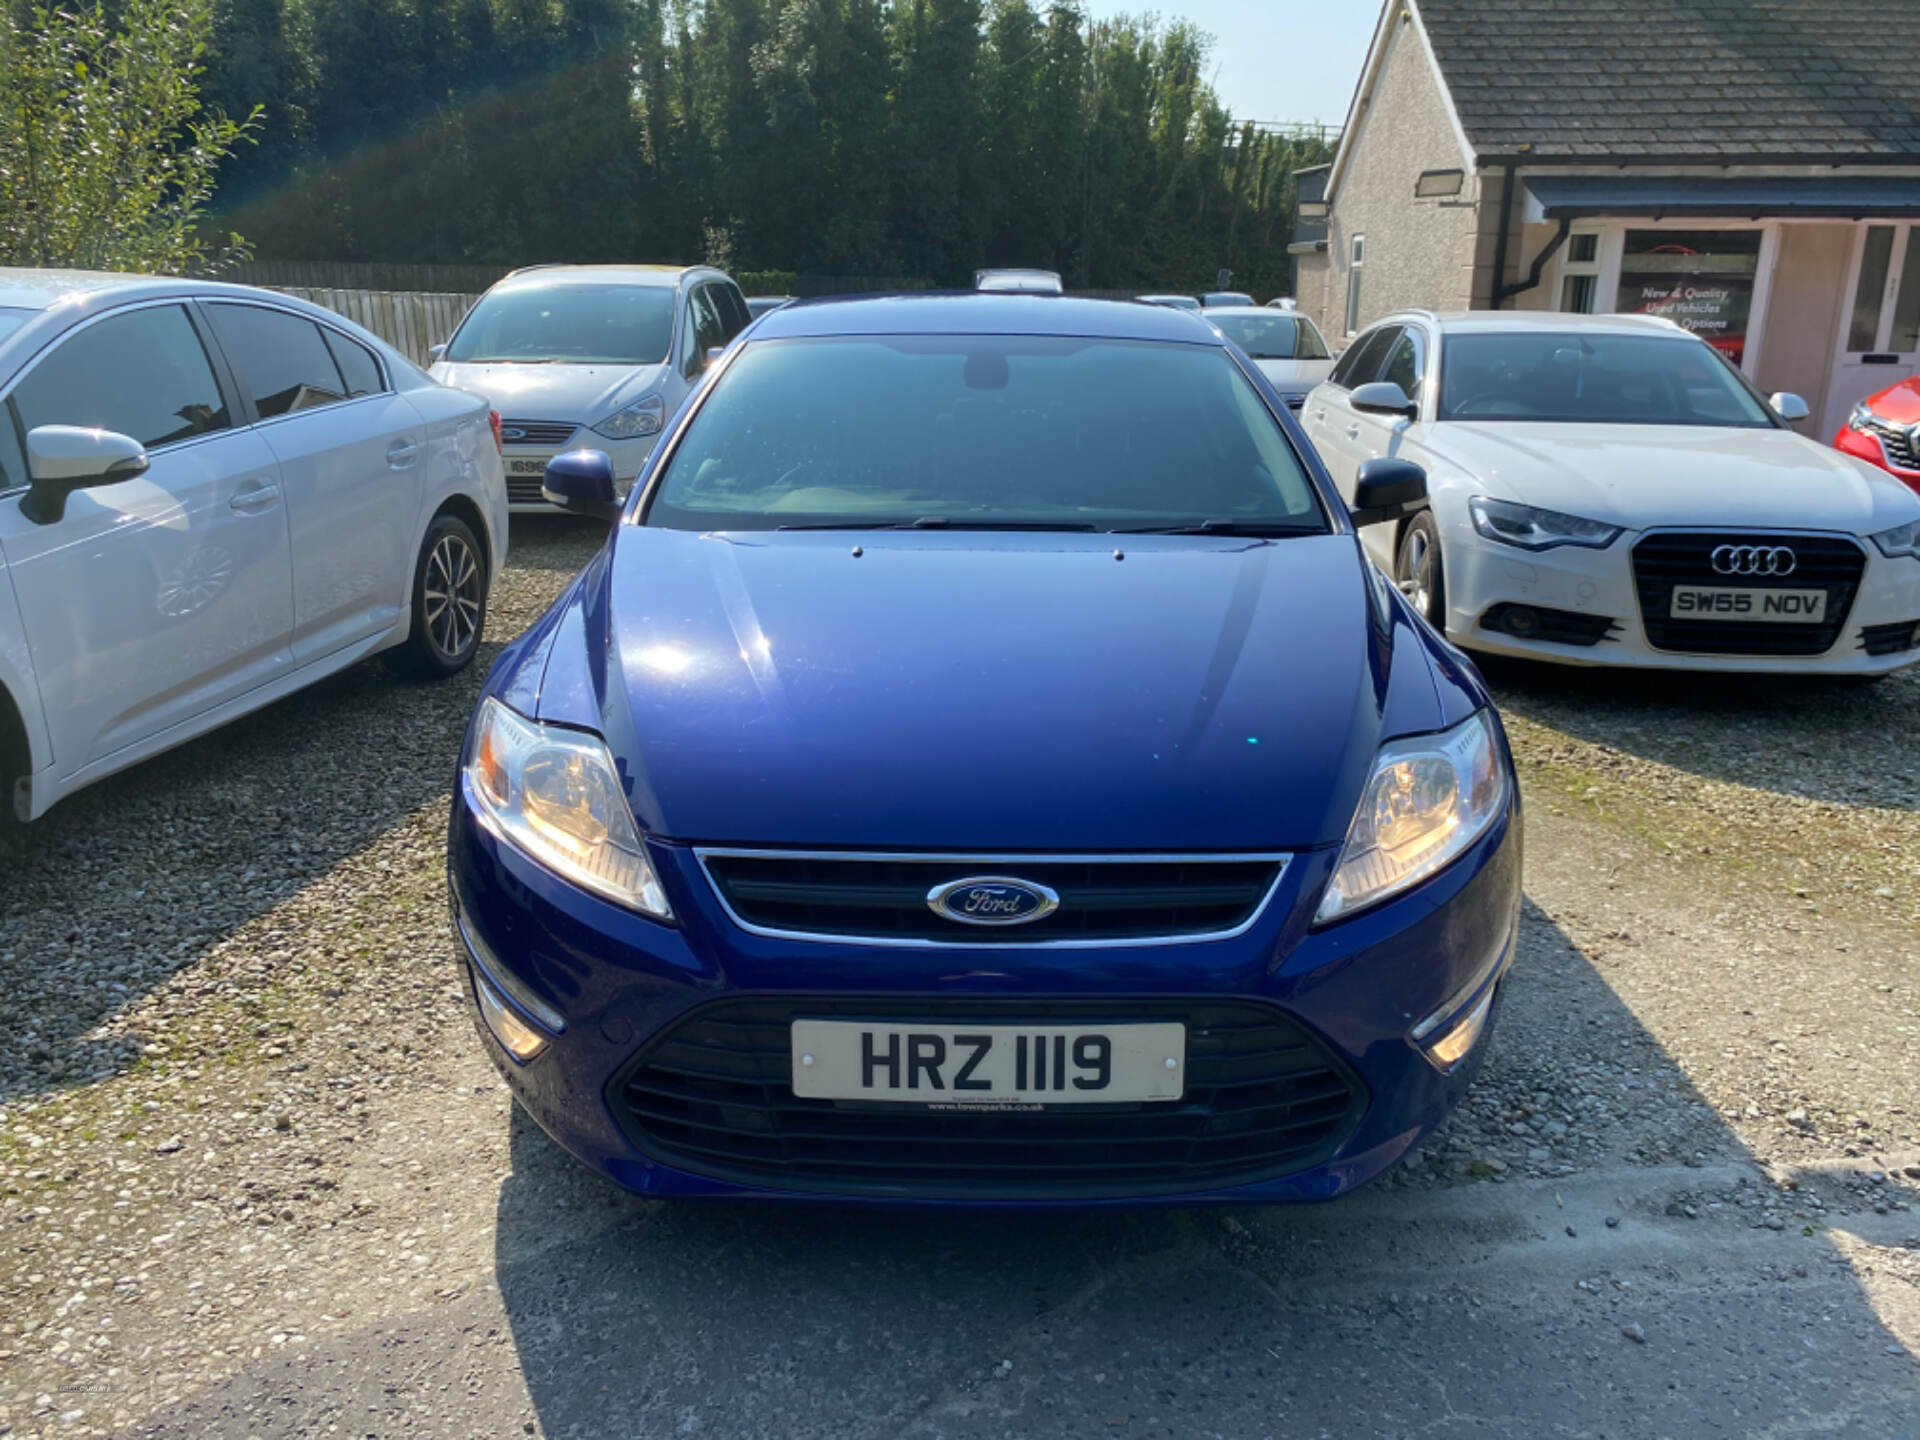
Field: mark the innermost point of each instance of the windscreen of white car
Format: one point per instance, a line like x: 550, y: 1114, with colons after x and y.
x: 1594, y: 379
x: 568, y: 324
x: 1272, y: 337
x: 985, y: 432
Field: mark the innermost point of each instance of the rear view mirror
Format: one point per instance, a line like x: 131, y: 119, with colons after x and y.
x: 64, y: 458
x: 436, y: 353
x: 1788, y: 406
x: 1386, y: 489
x: 1383, y: 397
x: 581, y: 481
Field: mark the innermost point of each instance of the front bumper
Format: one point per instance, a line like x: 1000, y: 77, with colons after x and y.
x: 1578, y: 591
x: 612, y: 984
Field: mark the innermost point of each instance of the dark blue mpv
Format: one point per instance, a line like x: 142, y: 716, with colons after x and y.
x: 983, y: 767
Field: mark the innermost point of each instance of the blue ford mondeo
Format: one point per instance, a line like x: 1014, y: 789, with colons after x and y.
x: 982, y: 767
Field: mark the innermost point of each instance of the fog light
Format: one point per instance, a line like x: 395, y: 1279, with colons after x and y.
x: 1452, y: 1046
x: 518, y: 1038
x: 1520, y: 622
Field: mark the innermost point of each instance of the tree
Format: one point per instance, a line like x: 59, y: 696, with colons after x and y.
x: 107, y: 156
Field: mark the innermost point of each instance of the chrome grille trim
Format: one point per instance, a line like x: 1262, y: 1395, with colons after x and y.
x: 994, y: 862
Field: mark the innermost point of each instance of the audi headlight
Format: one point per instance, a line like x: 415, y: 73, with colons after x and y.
x: 556, y: 795
x: 643, y: 417
x: 1901, y: 540
x: 1532, y: 528
x: 1427, y: 800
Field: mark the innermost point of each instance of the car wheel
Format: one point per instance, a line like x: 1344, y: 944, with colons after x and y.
x: 1419, y: 571
x: 449, y: 603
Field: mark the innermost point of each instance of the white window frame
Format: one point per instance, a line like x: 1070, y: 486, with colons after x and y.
x: 1570, y: 267
x: 1356, y: 254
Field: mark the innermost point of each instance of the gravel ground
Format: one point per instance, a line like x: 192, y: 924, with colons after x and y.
x: 256, y: 1179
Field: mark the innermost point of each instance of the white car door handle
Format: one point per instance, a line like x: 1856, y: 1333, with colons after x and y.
x: 400, y: 453
x: 1353, y: 432
x: 255, y: 496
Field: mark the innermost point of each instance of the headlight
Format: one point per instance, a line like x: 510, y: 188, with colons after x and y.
x: 556, y: 795
x: 643, y: 417
x: 1427, y: 800
x: 1900, y: 540
x: 1534, y: 529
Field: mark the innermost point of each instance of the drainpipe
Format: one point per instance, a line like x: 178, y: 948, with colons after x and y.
x: 1503, y: 292
x: 1500, y: 240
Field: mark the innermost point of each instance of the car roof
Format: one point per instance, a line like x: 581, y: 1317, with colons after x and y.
x: 537, y: 275
x: 972, y: 312
x: 1483, y: 322
x: 27, y: 289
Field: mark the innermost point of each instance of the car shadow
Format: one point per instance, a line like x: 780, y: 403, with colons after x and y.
x: 1838, y: 741
x: 1634, y: 1274
x: 134, y: 879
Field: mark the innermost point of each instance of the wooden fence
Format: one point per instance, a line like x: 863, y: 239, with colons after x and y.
x: 408, y: 320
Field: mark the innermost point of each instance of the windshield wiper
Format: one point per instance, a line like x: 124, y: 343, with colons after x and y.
x: 942, y: 522
x: 1228, y: 527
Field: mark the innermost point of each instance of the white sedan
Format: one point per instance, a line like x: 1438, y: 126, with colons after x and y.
x: 211, y: 496
x: 1609, y: 490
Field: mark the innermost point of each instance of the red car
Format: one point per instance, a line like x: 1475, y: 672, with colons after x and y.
x: 1884, y: 430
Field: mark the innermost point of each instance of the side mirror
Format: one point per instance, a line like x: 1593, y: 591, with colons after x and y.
x: 1387, y: 489
x: 1383, y: 397
x: 436, y: 353
x: 64, y: 458
x: 1788, y: 406
x: 581, y: 481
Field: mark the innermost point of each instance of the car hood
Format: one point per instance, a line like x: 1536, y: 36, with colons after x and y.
x: 1294, y: 376
x: 989, y: 692
x: 1898, y: 403
x: 584, y: 394
x: 1645, y: 476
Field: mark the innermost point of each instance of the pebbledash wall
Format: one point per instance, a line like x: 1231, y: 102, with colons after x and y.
x: 1398, y: 131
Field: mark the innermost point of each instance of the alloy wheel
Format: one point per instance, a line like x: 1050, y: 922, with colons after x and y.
x: 452, y: 597
x: 1416, y: 571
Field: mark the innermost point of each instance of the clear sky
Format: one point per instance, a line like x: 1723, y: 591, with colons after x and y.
x: 1276, y: 59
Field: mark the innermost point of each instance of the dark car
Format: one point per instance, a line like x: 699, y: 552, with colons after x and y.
x: 983, y: 767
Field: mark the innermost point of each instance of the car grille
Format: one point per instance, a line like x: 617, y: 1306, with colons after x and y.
x: 884, y: 898
x: 1897, y: 442
x: 525, y: 490
x: 1890, y: 639
x: 712, y: 1096
x: 539, y: 432
x: 1822, y: 562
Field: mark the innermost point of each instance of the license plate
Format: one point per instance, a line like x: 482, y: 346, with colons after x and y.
x: 965, y: 1066
x: 536, y: 466
x: 1706, y: 602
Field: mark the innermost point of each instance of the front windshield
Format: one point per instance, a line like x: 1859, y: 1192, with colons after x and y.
x: 1571, y: 378
x: 576, y: 324
x: 1014, y: 432
x: 12, y: 318
x: 1272, y: 337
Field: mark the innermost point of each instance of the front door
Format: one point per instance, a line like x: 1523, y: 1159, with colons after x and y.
x: 1880, y: 331
x: 159, y: 598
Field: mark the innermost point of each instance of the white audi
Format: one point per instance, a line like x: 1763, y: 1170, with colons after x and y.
x: 211, y: 496
x: 1610, y: 490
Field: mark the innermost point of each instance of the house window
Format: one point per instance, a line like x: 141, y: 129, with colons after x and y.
x: 1580, y: 273
x: 1353, y: 285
